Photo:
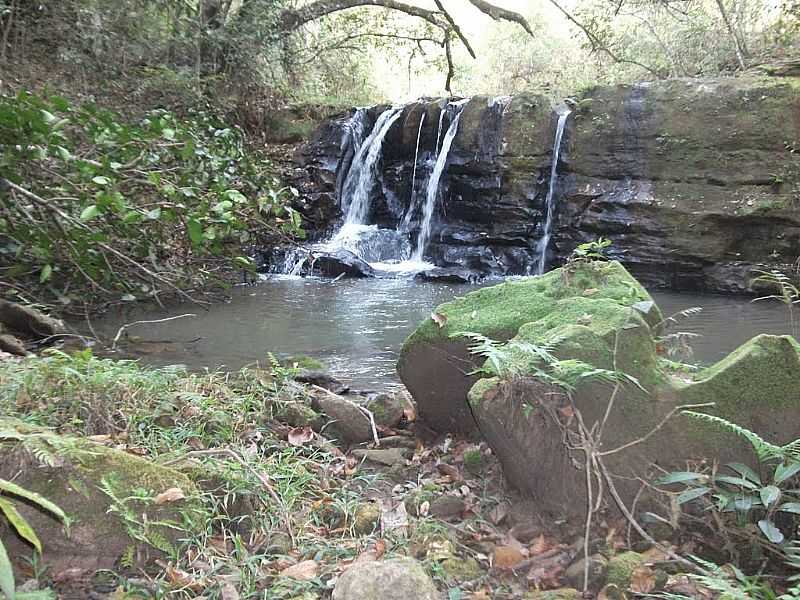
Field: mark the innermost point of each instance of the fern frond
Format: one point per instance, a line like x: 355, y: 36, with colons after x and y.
x: 764, y: 449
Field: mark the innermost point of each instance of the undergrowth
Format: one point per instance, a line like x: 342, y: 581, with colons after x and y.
x: 96, y: 206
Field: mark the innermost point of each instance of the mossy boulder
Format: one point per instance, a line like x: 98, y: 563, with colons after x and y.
x: 436, y: 365
x: 621, y: 568
x: 756, y: 386
x: 81, y: 477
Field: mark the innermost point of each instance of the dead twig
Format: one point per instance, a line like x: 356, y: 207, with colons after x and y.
x: 127, y: 326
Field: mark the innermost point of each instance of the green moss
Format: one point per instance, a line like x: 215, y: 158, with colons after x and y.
x: 621, y: 568
x: 458, y: 570
x: 473, y: 460
x: 762, y: 372
x: 481, y: 391
x: 301, y: 361
x: 499, y: 311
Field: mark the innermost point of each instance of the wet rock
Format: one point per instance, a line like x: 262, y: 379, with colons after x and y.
x: 383, y: 456
x: 337, y: 263
x: 348, y: 423
x: 323, y: 380
x: 598, y: 567
x: 395, y: 579
x: 279, y: 543
x: 98, y: 537
x: 387, y: 409
x: 12, y: 345
x: 447, y: 275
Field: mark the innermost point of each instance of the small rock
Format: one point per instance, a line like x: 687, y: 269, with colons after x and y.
x: 613, y: 592
x: 350, y: 424
x: 387, y: 409
x: 323, y: 380
x: 458, y: 570
x: 368, y: 517
x: 621, y: 568
x: 447, y: 507
x: 383, y: 456
x: 279, y: 543
x: 396, y: 579
x: 598, y: 567
x: 298, y: 414
x: 398, y: 441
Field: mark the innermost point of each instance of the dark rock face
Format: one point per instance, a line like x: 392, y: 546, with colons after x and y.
x: 696, y: 182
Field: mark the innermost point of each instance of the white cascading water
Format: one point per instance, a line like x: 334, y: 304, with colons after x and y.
x: 550, y: 200
x: 362, y: 175
x: 412, y: 200
x: 432, y: 189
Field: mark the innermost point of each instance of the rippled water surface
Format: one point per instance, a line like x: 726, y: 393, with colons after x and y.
x: 358, y: 326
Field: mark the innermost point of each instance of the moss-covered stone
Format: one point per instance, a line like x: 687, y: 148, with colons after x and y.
x: 367, y: 518
x: 499, y: 311
x: 621, y: 568
x: 107, y: 494
x: 595, y: 295
x: 458, y: 570
x: 299, y: 414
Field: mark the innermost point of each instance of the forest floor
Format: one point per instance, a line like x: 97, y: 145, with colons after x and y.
x: 290, y: 508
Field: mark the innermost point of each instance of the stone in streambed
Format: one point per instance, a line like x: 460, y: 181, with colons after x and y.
x: 395, y: 579
x: 387, y: 409
x: 348, y: 423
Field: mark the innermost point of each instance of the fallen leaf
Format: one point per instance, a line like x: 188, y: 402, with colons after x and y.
x: 303, y: 571
x: 643, y: 580
x: 567, y: 411
x: 506, y: 557
x: 300, y: 436
x: 171, y: 495
x: 439, y: 319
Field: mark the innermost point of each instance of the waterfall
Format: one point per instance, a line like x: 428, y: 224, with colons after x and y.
x: 432, y: 190
x: 354, y: 134
x: 550, y: 201
x: 363, y: 171
x: 412, y: 200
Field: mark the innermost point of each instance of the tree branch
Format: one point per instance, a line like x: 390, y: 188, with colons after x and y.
x: 498, y: 14
x: 455, y: 28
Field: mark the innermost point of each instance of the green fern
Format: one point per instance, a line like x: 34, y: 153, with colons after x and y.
x: 764, y: 450
x: 516, y: 358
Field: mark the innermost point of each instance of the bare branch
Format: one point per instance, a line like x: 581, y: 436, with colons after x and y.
x: 455, y: 28
x: 498, y: 14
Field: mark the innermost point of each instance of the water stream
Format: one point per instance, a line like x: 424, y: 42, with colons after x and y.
x: 358, y: 326
x: 432, y: 189
x: 362, y: 175
x: 550, y: 200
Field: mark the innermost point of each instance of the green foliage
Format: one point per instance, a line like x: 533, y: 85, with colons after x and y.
x: 594, y: 250
x: 517, y: 358
x: 767, y: 498
x: 10, y: 491
x: 127, y: 208
x: 729, y: 583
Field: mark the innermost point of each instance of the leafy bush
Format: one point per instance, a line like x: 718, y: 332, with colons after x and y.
x: 127, y: 208
x: 757, y: 505
x: 9, y: 490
